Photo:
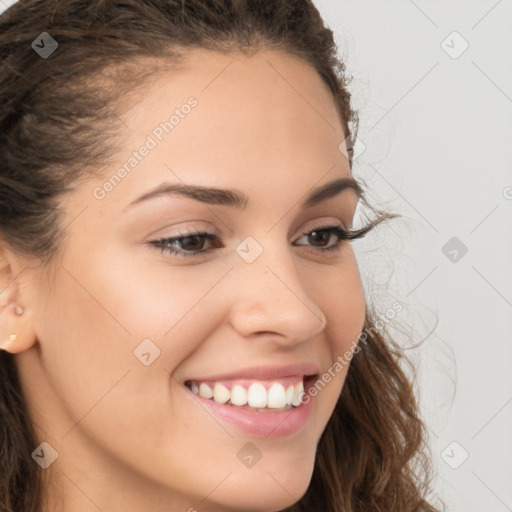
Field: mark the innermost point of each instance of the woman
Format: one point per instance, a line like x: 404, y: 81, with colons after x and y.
x: 183, y: 320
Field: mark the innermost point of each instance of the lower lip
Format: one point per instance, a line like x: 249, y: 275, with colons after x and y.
x: 259, y: 424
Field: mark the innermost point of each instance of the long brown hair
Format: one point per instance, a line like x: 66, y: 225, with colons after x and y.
x: 58, y: 123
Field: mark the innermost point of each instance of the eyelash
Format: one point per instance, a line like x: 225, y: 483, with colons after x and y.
x: 342, y: 234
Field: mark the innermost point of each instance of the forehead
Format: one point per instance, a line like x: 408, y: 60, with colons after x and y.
x: 240, y: 97
x: 236, y: 76
x: 267, y: 119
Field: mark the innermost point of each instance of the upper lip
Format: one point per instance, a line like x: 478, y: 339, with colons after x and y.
x: 265, y: 372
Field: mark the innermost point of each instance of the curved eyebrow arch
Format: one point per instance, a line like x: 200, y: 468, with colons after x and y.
x: 237, y: 199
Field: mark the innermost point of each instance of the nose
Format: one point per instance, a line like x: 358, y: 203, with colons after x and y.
x: 271, y: 300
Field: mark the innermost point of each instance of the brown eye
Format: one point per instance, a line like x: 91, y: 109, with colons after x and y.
x: 188, y: 244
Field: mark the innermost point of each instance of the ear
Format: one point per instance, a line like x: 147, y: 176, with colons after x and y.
x: 16, y: 332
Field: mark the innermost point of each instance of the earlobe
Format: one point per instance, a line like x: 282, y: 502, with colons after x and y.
x: 13, y: 336
x: 17, y: 338
x: 15, y: 326
x: 10, y: 340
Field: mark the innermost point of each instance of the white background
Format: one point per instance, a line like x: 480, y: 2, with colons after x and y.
x: 435, y: 145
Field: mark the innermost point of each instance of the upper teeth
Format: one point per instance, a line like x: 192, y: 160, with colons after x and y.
x: 255, y: 396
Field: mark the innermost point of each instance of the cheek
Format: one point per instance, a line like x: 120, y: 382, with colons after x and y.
x: 345, y: 310
x: 343, y: 304
x: 95, y: 319
x: 174, y: 306
x: 85, y: 348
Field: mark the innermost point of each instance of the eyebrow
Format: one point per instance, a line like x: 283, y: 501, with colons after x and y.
x: 237, y: 199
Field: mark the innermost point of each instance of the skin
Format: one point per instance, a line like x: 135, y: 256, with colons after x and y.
x: 129, y: 437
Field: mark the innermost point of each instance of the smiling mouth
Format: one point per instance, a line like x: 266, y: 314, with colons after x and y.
x: 273, y: 395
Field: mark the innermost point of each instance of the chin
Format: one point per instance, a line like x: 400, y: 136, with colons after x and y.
x: 265, y: 491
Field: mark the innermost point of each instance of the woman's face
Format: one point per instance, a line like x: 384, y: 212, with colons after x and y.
x: 126, y: 323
